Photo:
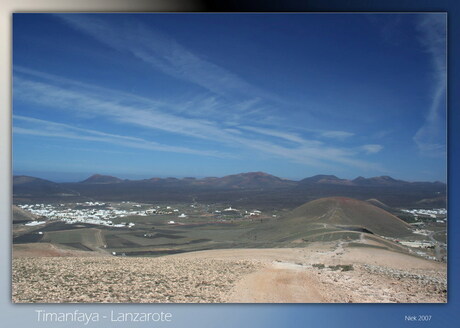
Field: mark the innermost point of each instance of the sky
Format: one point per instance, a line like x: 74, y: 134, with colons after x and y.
x: 177, y: 95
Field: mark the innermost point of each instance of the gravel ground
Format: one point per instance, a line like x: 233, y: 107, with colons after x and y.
x: 125, y: 280
x: 377, y: 284
x: 317, y: 274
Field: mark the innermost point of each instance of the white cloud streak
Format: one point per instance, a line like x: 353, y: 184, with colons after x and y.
x: 282, y: 135
x: 45, y: 128
x: 164, y: 54
x: 372, y: 149
x: 431, y: 136
x: 83, y: 101
x: 337, y: 134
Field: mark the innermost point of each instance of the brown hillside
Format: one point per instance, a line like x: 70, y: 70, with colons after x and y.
x: 21, y: 215
x: 347, y: 212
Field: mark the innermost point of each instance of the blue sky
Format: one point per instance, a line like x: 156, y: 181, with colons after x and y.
x: 294, y: 95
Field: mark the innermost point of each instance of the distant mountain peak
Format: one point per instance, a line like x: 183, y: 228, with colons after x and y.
x: 27, y: 185
x: 99, y: 178
x: 20, y: 179
x: 255, y: 174
x: 323, y: 179
x: 383, y: 180
x: 326, y: 176
x: 385, y: 177
x: 248, y: 180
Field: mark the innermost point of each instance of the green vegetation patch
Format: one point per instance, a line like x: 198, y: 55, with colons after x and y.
x: 116, y: 241
x: 341, y: 267
x: 78, y: 236
x: 319, y: 265
x: 333, y: 236
x: 366, y: 245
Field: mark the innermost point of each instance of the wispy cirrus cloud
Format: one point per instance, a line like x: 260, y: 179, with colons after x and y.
x: 336, y: 134
x: 431, y: 136
x: 295, y: 137
x: 204, y: 105
x: 279, y: 134
x: 165, y: 54
x: 82, y: 100
x: 372, y: 148
x: 44, y: 128
x: 88, y: 104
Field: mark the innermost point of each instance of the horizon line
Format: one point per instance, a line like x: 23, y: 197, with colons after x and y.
x: 226, y: 175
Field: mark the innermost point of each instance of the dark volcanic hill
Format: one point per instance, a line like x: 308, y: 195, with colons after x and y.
x: 324, y: 179
x: 98, y: 178
x: 27, y: 180
x: 30, y: 186
x: 378, y: 203
x: 378, y: 181
x: 257, y: 189
x: 20, y: 215
x: 346, y: 213
x: 381, y: 181
x: 251, y: 180
x: 332, y: 218
x: 262, y: 180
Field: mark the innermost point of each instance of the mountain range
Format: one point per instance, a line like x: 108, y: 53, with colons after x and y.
x: 256, y: 180
x: 245, y: 187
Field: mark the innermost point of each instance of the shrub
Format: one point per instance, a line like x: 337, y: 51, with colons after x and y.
x: 345, y: 267
x: 319, y: 266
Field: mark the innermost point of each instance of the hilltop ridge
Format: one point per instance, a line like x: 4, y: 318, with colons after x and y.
x: 245, y: 177
x: 333, y: 218
x: 99, y: 178
x: 259, y: 189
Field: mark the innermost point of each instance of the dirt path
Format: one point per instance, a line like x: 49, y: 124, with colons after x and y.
x: 99, y: 241
x: 437, y: 248
x: 279, y: 283
x: 321, y: 273
x: 51, y: 250
x: 315, y: 275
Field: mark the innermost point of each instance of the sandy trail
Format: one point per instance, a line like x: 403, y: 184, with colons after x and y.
x: 279, y: 283
x: 320, y: 273
x: 51, y: 250
x: 314, y: 275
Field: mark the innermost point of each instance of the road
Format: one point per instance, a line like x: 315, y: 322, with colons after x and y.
x: 437, y: 245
